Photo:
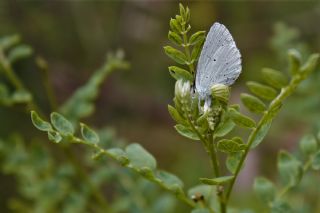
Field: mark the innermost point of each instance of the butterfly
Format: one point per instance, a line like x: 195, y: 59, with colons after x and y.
x: 219, y: 62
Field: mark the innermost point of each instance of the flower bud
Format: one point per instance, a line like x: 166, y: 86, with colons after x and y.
x: 221, y: 92
x: 182, y: 89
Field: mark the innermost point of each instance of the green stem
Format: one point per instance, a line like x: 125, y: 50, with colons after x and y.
x: 182, y: 197
x: 47, y: 83
x: 5, y: 66
x: 285, y: 92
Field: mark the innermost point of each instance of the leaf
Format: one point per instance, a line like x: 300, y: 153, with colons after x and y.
x: 119, y: 155
x: 39, y: 123
x: 316, y: 161
x: 290, y: 168
x: 176, y: 115
x: 230, y: 146
x: 264, y: 189
x: 9, y: 41
x: 294, y: 61
x: 233, y: 160
x: 196, y: 50
x: 261, y: 134
x: 280, y: 206
x: 139, y: 157
x: 21, y: 96
x: 262, y: 91
x: 179, y: 73
x: 274, y: 78
x: 253, y: 103
x: 61, y: 124
x: 54, y: 136
x: 241, y: 120
x: 186, y: 132
x: 171, y: 181
x: 224, y: 128
x: 176, y: 55
x: 308, y: 144
x: 197, y: 37
x: 216, y: 181
x: 310, y: 65
x: 88, y: 134
x: 175, y: 38
x: 19, y: 52
x: 175, y: 26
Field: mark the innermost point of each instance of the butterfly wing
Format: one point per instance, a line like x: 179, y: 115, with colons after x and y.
x: 219, y: 61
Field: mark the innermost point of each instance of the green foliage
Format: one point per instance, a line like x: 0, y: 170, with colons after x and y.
x: 81, y: 105
x: 292, y: 171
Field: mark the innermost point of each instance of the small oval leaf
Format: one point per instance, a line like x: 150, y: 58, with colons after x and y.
x: 186, y: 132
x: 262, y: 91
x: 39, y: 123
x: 175, y: 38
x: 176, y: 55
x: 274, y: 78
x: 88, y: 134
x: 230, y: 146
x: 241, y: 120
x: 139, y: 157
x: 61, y: 124
x: 179, y: 73
x: 197, y: 37
x: 253, y: 103
x: 264, y: 189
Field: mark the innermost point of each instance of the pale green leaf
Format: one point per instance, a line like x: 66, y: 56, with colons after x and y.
x: 176, y: 55
x: 186, y: 132
x: 197, y: 37
x: 261, y: 134
x: 179, y: 73
x: 308, y: 144
x: 290, y: 169
x: 175, y: 38
x: 224, y: 128
x: 176, y: 115
x: 230, y: 146
x: 61, y: 124
x: 253, y: 103
x: 262, y: 91
x: 88, y: 134
x: 274, y: 78
x: 233, y: 160
x: 119, y: 155
x: 241, y: 120
x: 171, y: 181
x: 139, y: 157
x: 54, y: 136
x: 19, y: 52
x: 39, y: 123
x: 264, y: 189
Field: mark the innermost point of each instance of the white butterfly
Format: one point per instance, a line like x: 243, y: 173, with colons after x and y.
x: 219, y: 62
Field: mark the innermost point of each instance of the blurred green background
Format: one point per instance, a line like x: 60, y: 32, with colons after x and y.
x: 75, y: 36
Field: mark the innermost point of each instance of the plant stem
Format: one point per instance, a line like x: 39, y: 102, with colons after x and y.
x: 5, y: 66
x: 182, y: 197
x: 43, y: 66
x: 267, y: 117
